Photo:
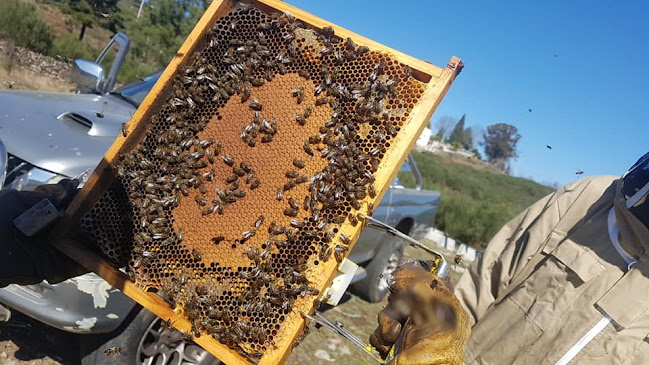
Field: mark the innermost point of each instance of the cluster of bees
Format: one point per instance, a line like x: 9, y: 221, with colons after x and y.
x: 171, y: 164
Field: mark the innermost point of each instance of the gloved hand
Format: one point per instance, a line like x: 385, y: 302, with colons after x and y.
x: 30, y: 260
x: 439, y: 327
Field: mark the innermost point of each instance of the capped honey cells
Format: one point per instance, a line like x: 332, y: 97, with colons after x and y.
x: 266, y: 145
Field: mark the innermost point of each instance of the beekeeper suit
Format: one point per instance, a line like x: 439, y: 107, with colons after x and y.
x: 566, y: 281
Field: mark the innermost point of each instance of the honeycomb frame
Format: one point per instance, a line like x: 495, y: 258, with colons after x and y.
x: 429, y: 84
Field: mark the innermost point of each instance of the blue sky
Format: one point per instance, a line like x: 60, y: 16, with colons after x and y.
x: 589, y: 102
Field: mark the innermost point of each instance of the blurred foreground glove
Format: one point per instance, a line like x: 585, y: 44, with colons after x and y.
x: 30, y: 260
x: 439, y: 328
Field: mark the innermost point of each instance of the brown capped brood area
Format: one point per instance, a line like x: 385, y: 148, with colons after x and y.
x: 238, y: 195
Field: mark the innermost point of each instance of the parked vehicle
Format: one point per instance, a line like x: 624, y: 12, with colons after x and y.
x: 50, y: 136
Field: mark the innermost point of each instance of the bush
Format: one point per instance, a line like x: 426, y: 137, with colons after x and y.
x: 22, y: 23
x: 69, y: 46
x: 475, y: 203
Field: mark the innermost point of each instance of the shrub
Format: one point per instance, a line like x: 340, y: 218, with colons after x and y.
x: 474, y: 203
x: 69, y: 46
x: 21, y: 22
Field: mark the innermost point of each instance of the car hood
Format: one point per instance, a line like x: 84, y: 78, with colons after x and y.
x: 61, y: 132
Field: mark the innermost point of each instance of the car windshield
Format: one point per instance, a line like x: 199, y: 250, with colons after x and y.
x: 136, y: 91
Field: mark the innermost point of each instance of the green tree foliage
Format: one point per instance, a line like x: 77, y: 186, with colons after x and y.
x: 88, y: 12
x: 457, y: 134
x: 475, y: 203
x: 500, y: 144
x: 21, y: 22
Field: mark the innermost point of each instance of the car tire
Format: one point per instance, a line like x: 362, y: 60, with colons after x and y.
x: 145, y: 340
x: 374, y: 286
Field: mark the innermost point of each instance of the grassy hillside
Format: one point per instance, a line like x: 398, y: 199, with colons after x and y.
x: 476, y: 201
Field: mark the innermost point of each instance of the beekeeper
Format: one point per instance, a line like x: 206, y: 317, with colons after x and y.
x: 566, y: 281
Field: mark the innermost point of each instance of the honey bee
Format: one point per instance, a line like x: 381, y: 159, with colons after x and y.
x: 124, y: 129
x: 459, y: 260
x: 246, y: 235
x: 291, y: 174
x: 344, y: 239
x: 217, y: 239
x: 289, y: 185
x: 280, y: 194
x: 231, y: 178
x: 255, y: 184
x: 338, y: 252
x: 307, y: 112
x: 113, y: 351
x: 250, y: 176
x: 228, y: 160
x: 307, y: 148
x: 298, y: 163
x: 200, y: 200
x: 255, y: 105
x: 321, y: 101
x: 259, y: 221
x: 196, y: 254
x: 299, y: 94
x: 290, y: 212
x: 297, y: 223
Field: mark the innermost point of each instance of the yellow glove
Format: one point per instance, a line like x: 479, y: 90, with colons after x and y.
x: 439, y: 328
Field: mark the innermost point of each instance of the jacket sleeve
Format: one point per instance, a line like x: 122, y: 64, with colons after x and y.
x: 513, y: 246
x: 505, y: 255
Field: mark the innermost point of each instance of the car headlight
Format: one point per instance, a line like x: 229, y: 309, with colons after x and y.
x: 21, y: 175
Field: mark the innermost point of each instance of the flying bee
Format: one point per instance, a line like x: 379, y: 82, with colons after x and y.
x: 290, y: 212
x: 196, y: 254
x: 255, y: 105
x: 124, y: 130
x: 113, y: 351
x: 339, y: 252
x: 459, y: 260
x: 298, y: 163
x: 228, y: 160
x: 255, y: 184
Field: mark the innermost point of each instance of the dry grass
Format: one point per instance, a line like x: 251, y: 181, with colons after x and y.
x: 16, y: 77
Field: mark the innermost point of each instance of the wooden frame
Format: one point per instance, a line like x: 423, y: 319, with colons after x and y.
x: 438, y: 82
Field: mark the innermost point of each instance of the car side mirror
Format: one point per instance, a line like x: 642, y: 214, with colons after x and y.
x: 88, y: 75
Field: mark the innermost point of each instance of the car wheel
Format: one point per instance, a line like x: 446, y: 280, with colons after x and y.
x: 375, y: 285
x: 145, y: 340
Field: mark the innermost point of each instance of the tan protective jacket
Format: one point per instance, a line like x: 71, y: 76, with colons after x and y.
x: 552, y: 288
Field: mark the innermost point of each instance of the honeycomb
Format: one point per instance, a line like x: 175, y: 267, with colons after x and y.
x: 263, y: 151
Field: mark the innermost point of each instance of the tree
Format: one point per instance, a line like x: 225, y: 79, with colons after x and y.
x: 500, y: 144
x: 443, y: 126
x: 467, y: 139
x: 457, y: 135
x: 86, y: 12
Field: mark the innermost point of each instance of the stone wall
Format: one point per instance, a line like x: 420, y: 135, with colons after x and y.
x: 56, y: 67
